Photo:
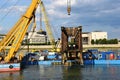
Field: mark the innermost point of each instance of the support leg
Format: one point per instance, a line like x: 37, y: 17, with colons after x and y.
x: 81, y: 59
x: 64, y: 58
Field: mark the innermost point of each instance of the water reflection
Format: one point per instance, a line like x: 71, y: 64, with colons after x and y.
x: 59, y: 72
x: 72, y: 73
x: 11, y: 76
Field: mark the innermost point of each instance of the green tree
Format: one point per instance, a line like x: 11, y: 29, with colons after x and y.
x: 92, y: 41
x: 97, y: 41
x: 105, y: 41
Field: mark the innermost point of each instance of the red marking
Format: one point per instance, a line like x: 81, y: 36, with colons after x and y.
x: 8, y: 69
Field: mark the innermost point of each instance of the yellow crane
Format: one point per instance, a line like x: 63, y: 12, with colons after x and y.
x: 16, y: 35
x: 48, y: 26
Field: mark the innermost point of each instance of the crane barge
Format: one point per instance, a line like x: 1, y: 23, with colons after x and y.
x: 14, y: 37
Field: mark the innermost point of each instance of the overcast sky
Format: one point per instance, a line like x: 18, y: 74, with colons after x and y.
x: 93, y: 15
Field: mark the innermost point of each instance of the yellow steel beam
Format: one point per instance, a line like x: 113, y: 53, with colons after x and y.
x: 47, y: 24
x: 9, y: 36
x: 21, y: 29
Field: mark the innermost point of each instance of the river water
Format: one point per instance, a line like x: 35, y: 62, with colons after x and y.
x: 59, y: 72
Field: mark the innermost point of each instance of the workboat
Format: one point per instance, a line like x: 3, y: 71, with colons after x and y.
x: 40, y: 58
x: 90, y: 57
x: 9, y: 67
x: 43, y: 58
x: 93, y: 57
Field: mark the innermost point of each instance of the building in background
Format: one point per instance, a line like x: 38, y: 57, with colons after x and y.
x: 2, y: 36
x: 98, y: 35
x: 41, y: 37
x: 34, y: 37
x: 88, y: 36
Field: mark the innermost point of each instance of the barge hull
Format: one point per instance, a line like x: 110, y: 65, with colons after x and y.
x: 10, y: 67
x: 102, y: 62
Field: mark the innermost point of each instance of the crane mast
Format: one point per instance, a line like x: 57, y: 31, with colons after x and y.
x: 47, y: 24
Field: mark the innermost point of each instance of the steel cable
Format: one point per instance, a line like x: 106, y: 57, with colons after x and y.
x: 9, y: 11
x: 2, y: 6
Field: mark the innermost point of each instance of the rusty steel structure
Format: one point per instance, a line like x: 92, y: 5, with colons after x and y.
x: 71, y: 43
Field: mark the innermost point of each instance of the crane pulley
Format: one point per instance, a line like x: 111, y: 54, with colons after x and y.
x: 68, y: 6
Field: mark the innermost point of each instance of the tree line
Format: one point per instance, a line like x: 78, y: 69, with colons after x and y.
x: 104, y: 41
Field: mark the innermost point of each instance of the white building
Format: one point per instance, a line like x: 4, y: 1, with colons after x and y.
x: 98, y: 35
x: 38, y: 37
x: 34, y: 37
x: 88, y: 36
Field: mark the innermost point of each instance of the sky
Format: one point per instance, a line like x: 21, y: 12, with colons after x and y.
x: 92, y: 15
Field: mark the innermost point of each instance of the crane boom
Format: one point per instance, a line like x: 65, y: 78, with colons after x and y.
x: 15, y: 36
x: 17, y: 33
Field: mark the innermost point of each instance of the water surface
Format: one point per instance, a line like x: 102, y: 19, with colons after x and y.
x: 59, y: 72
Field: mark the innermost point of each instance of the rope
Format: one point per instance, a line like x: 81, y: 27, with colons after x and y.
x: 55, y: 30
x: 9, y: 11
x: 40, y: 18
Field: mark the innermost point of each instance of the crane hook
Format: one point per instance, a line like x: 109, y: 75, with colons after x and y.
x: 68, y: 6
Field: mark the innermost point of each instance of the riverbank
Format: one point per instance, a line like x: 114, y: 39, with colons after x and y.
x: 85, y: 47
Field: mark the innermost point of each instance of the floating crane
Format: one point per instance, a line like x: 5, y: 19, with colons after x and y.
x: 16, y: 35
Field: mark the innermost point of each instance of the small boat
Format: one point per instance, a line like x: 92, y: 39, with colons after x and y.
x: 9, y: 67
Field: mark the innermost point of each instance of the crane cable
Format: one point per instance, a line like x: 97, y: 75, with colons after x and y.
x: 4, y: 4
x: 9, y: 11
x: 55, y: 30
x: 40, y: 19
x: 57, y: 42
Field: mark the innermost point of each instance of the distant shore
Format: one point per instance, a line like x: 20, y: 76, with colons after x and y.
x: 85, y: 47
